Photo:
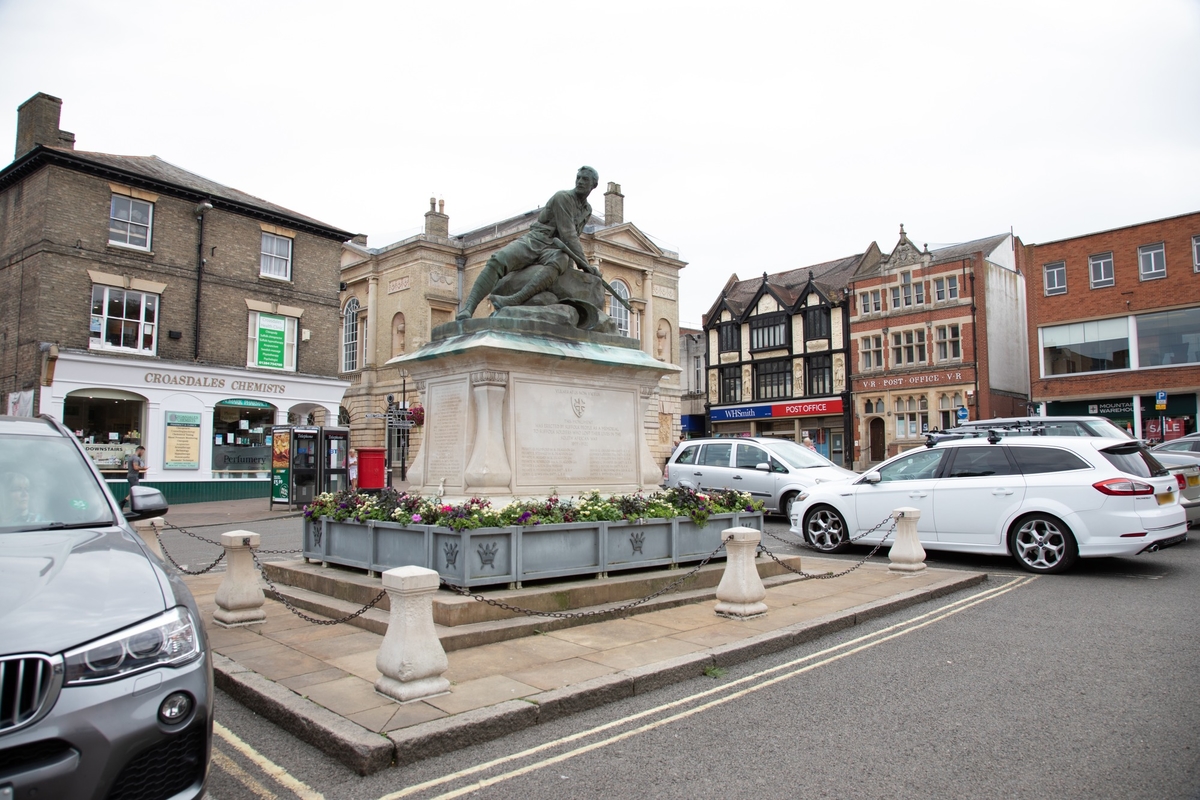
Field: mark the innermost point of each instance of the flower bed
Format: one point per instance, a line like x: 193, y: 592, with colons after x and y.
x: 474, y: 544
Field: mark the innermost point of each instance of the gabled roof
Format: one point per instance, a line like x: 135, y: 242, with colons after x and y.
x: 153, y: 173
x: 906, y: 253
x: 956, y: 252
x: 789, y: 287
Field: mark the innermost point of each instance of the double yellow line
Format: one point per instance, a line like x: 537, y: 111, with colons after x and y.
x: 720, y: 695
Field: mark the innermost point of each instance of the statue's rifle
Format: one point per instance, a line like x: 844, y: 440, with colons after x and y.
x: 588, y: 268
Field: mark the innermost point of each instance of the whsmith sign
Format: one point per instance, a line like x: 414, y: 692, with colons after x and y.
x: 799, y: 408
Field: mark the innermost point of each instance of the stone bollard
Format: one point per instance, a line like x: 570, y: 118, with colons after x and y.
x: 411, y: 659
x: 906, y: 554
x: 741, y: 591
x: 149, y: 529
x: 239, y: 597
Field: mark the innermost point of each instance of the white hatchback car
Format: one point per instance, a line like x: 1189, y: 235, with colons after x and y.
x: 1043, y: 500
x: 769, y: 469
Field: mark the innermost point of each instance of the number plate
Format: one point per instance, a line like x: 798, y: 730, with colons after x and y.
x: 1193, y: 480
x: 1165, y: 498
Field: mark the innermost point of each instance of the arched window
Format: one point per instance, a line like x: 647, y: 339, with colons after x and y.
x: 350, y: 336
x: 618, y: 312
x: 398, y: 334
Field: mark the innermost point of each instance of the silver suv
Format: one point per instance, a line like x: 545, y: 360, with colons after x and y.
x: 105, y: 675
x: 769, y: 469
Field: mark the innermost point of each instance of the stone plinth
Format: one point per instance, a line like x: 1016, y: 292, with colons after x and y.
x: 515, y: 408
x: 741, y: 592
x: 907, y: 554
x: 411, y: 659
x: 240, y: 596
x: 149, y: 530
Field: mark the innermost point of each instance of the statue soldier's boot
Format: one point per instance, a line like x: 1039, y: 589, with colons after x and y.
x: 482, y: 287
x: 541, y: 278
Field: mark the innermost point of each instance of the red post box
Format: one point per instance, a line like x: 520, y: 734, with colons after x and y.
x: 372, y: 462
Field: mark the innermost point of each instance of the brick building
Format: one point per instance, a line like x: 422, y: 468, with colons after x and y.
x: 1116, y: 321
x: 778, y: 355
x: 936, y: 334
x: 143, y: 304
x: 395, y: 295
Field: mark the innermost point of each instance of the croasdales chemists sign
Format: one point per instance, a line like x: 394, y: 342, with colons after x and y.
x: 271, y: 335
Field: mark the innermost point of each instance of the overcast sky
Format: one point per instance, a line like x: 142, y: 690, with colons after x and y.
x: 748, y: 137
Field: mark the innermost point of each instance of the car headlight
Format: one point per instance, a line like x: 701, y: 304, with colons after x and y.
x: 170, y: 639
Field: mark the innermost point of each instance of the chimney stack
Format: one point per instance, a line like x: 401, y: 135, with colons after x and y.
x: 614, y: 205
x: 37, y: 123
x: 436, y: 221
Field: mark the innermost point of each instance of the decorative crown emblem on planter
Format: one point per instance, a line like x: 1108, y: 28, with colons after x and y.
x: 578, y: 405
x: 451, y: 552
x: 487, y: 554
x: 637, y: 539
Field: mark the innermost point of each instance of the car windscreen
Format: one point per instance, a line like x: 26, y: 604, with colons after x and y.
x: 46, y: 483
x: 1134, y: 459
x: 797, y: 455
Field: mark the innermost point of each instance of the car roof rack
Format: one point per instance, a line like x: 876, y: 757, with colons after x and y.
x: 934, y: 438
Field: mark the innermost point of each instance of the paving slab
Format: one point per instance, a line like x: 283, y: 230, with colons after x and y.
x: 317, y: 681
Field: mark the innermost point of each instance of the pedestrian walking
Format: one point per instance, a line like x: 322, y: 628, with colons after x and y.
x: 352, y: 468
x: 137, y: 466
x: 809, y: 443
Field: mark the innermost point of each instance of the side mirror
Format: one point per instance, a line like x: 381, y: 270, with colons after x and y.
x: 870, y: 477
x: 763, y: 467
x: 145, y: 501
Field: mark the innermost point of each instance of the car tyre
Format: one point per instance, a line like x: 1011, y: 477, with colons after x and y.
x: 785, y: 504
x: 825, y: 530
x: 1043, y: 544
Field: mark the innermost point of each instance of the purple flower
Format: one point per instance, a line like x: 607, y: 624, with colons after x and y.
x: 416, y: 517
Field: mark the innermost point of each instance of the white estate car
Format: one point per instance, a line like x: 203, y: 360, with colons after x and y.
x: 1043, y: 500
x: 769, y: 469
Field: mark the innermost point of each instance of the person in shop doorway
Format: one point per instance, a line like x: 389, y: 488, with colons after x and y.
x: 352, y: 468
x: 137, y: 466
x: 809, y: 444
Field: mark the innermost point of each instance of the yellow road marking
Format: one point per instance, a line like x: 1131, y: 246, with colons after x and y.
x: 857, y: 644
x: 230, y: 767
x: 276, y: 772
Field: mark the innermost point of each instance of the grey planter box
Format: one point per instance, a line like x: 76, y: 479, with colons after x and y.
x: 489, y: 556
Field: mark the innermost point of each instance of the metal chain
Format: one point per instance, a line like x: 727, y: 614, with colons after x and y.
x: 278, y: 595
x: 186, y: 532
x: 808, y: 576
x: 179, y: 566
x: 459, y: 590
x: 805, y: 543
x: 263, y: 519
x: 189, y: 533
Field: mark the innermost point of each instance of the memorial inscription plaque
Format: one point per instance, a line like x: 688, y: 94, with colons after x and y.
x: 575, y: 433
x: 446, y: 442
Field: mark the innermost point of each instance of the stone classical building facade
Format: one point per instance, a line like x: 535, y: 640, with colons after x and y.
x: 143, y: 304
x: 935, y: 335
x: 778, y: 355
x: 1114, y: 323
x: 395, y: 295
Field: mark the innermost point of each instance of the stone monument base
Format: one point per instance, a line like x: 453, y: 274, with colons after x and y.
x: 521, y: 408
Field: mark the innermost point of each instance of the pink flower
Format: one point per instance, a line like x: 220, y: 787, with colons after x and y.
x: 446, y: 509
x: 416, y: 517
